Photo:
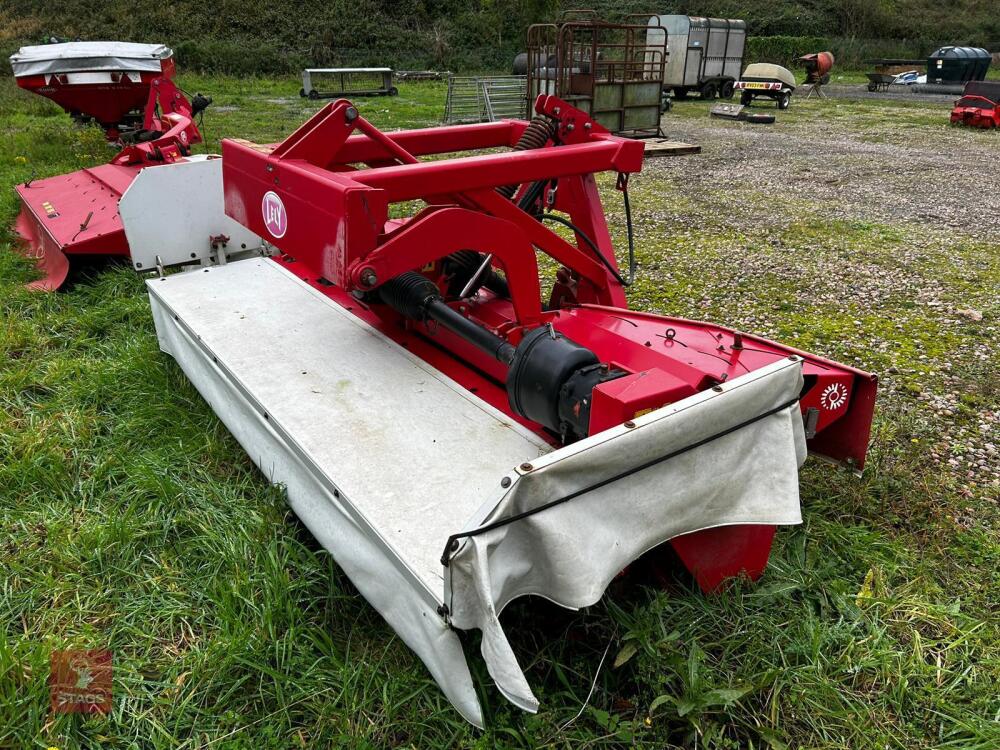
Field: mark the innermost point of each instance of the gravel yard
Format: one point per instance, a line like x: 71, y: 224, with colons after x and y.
x: 894, y: 93
x: 877, y: 226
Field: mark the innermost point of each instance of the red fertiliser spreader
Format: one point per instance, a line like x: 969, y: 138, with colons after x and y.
x: 979, y: 106
x: 458, y: 426
x: 104, y: 82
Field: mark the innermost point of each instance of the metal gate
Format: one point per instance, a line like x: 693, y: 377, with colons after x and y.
x: 484, y: 99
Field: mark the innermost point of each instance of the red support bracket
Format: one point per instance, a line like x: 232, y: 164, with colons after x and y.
x: 438, y: 232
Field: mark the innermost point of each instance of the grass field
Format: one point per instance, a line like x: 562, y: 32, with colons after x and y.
x: 131, y: 520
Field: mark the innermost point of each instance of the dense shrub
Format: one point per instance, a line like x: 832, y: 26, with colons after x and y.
x: 783, y: 49
x: 267, y: 37
x: 849, y: 52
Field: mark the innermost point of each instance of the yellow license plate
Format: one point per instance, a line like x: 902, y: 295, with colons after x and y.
x: 756, y: 85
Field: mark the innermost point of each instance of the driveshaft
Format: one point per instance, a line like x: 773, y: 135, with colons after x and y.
x: 549, y: 378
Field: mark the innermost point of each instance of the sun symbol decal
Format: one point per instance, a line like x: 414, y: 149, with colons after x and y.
x: 834, y: 396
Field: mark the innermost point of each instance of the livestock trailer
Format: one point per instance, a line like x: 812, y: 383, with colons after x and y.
x: 611, y: 71
x: 706, y: 54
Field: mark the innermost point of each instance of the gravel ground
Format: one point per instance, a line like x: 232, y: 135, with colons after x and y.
x: 859, y: 91
x: 872, y: 218
x: 940, y: 180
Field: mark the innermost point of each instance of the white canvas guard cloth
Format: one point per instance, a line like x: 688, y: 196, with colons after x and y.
x: 569, y: 553
x: 69, y: 57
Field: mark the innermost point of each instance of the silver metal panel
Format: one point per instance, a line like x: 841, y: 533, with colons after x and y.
x: 677, y: 27
x: 169, y: 212
x: 414, y: 452
x: 195, y: 335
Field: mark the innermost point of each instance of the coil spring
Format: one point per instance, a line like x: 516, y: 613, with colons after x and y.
x: 539, y: 131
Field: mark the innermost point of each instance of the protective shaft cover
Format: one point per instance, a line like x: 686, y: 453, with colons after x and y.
x: 542, y: 364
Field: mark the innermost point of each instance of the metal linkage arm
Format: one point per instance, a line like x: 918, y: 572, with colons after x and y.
x: 169, y: 113
x: 334, y: 217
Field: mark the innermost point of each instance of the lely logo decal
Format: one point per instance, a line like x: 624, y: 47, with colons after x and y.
x: 834, y: 396
x: 275, y: 218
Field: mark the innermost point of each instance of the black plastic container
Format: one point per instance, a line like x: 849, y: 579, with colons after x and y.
x: 958, y: 65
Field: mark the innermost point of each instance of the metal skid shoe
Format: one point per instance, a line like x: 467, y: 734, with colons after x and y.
x: 451, y: 441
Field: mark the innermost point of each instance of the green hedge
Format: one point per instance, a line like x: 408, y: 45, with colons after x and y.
x: 263, y: 37
x: 850, y: 53
x: 783, y: 50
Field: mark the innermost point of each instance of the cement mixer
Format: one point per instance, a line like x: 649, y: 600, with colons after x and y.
x: 818, y: 66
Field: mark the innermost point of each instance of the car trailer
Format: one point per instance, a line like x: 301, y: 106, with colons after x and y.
x: 768, y: 81
x: 349, y: 82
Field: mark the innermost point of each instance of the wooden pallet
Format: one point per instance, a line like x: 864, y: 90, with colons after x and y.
x: 663, y: 147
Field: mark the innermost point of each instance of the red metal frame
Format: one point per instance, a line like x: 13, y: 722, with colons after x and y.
x: 322, y: 196
x: 976, y: 112
x: 77, y: 213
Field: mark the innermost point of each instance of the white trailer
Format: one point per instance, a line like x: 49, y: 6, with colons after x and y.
x: 706, y: 54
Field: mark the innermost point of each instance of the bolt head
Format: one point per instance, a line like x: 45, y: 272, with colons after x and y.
x: 526, y: 467
x: 368, y: 277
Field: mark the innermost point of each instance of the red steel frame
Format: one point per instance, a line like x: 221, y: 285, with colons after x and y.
x: 322, y: 196
x: 977, y: 112
x: 77, y: 213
